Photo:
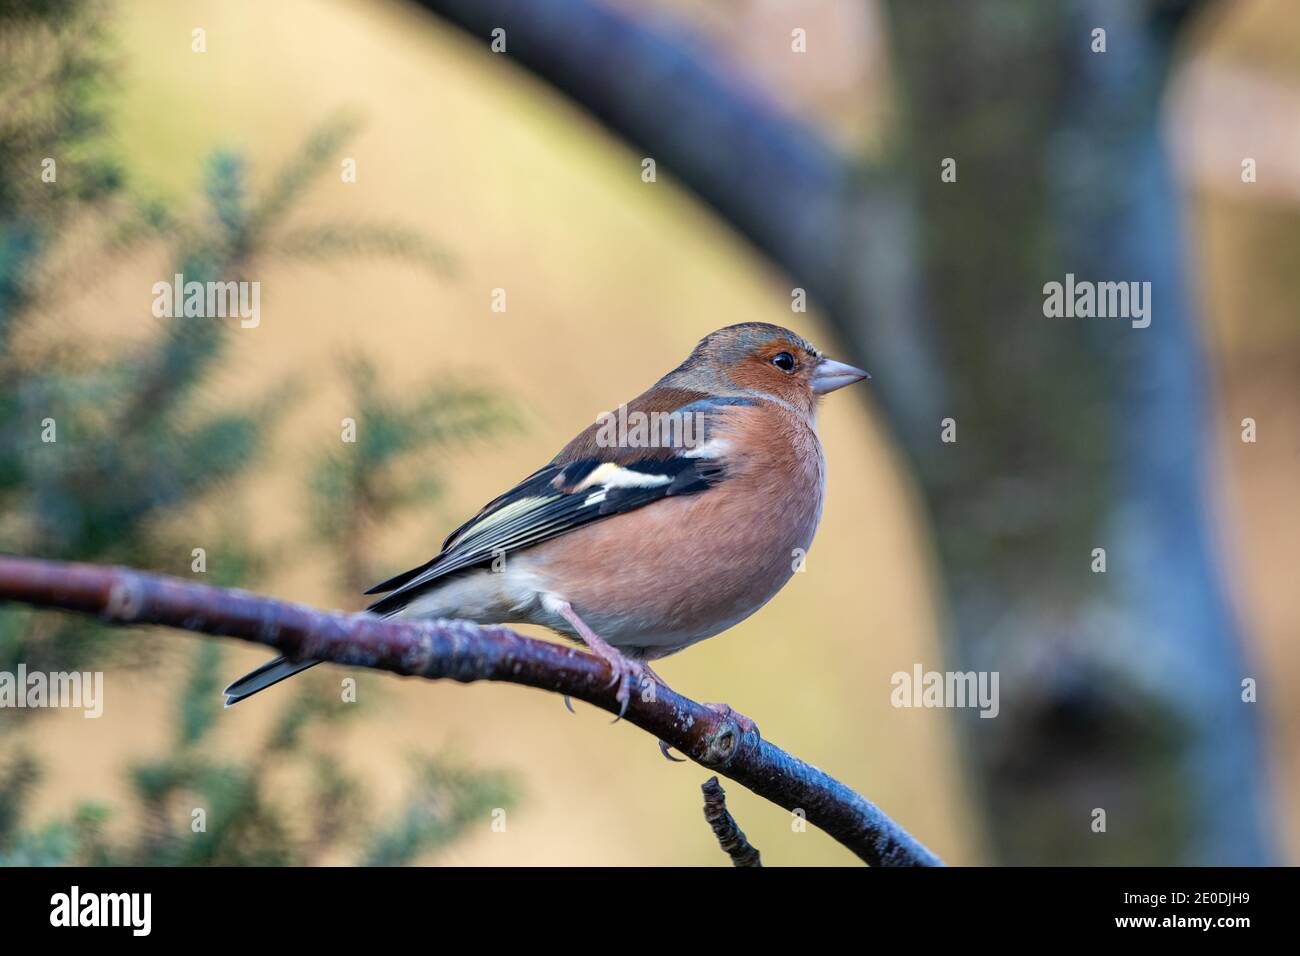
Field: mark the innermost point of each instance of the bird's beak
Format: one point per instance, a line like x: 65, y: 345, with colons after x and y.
x: 830, y: 375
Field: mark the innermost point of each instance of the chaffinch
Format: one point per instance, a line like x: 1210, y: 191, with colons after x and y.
x: 659, y: 525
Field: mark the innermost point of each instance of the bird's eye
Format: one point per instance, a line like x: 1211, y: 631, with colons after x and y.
x: 784, y: 361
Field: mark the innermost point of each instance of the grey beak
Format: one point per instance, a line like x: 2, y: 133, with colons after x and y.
x: 830, y: 375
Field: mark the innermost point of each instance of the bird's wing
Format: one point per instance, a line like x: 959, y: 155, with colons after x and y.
x: 585, y: 483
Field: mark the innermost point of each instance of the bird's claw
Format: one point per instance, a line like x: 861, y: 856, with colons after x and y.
x: 569, y: 704
x: 664, y: 747
x: 724, y: 711
x: 624, y: 672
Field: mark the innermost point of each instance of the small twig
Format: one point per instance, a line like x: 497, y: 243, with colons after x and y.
x: 465, y: 652
x: 731, y: 838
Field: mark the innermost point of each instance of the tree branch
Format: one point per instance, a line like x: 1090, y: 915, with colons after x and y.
x: 731, y: 838
x: 466, y: 652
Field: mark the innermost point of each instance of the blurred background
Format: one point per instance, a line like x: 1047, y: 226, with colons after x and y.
x: 797, y: 146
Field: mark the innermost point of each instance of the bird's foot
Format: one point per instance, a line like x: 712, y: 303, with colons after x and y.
x: 625, y: 669
x: 626, y: 673
x: 647, y: 676
x: 744, y: 723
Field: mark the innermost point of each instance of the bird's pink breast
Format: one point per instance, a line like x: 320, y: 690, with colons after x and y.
x: 683, y: 569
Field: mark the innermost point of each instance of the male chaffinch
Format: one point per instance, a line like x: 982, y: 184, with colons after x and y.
x: 655, y: 527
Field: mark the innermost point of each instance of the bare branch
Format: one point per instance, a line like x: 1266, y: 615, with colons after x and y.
x: 731, y: 838
x: 466, y: 652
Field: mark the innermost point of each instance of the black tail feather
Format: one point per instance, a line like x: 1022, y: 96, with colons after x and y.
x: 395, y: 582
x: 272, y: 672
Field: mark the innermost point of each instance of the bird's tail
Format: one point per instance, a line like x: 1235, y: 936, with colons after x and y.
x: 272, y: 672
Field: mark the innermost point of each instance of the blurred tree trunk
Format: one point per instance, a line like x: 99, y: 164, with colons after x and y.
x: 1120, y: 691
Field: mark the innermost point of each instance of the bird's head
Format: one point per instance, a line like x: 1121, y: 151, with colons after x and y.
x: 755, y: 358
